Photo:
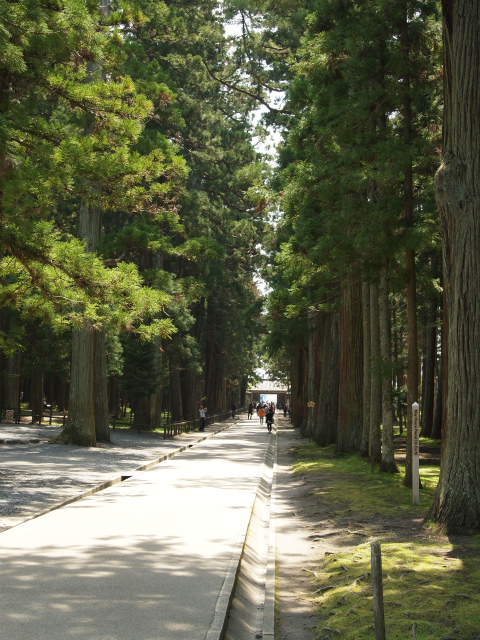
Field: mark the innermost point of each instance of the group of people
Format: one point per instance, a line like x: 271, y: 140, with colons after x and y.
x: 264, y: 411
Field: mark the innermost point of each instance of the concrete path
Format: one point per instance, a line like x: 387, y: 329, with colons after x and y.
x: 151, y: 558
x: 37, y: 475
x: 273, y: 595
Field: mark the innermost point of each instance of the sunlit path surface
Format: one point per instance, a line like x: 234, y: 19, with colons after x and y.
x: 145, y: 559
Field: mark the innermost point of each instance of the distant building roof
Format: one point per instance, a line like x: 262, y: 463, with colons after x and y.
x: 269, y: 386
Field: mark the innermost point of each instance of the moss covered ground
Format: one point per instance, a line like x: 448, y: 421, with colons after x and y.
x: 431, y: 582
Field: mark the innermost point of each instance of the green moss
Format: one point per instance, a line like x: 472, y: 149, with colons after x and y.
x: 430, y: 582
x: 352, y: 476
x: 422, y: 584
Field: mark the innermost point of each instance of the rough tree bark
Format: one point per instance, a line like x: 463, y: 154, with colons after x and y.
x: 299, y: 387
x: 13, y: 370
x: 309, y: 427
x: 457, y: 500
x: 102, y: 422
x: 411, y: 281
x: 80, y: 428
x: 398, y: 377
x: 37, y: 395
x: 84, y: 428
x: 211, y: 356
x: 374, y: 436
x: 388, y: 463
x: 367, y: 368
x: 176, y: 392
x: 438, y: 415
x: 428, y: 396
x: 86, y: 391
x: 327, y: 415
x: 350, y: 412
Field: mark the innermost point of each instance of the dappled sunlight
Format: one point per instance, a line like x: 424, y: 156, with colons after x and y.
x: 137, y: 589
x: 429, y: 581
x: 415, y: 585
x: 145, y: 558
x: 149, y: 575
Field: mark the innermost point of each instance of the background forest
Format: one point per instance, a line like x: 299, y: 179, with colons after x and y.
x: 131, y: 213
x: 136, y: 212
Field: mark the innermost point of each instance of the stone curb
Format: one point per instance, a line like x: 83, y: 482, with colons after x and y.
x: 18, y: 441
x: 222, y: 609
x: 269, y: 607
x: 224, y: 601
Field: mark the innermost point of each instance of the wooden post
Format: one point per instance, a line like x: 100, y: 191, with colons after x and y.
x: 378, y: 613
x: 415, y: 454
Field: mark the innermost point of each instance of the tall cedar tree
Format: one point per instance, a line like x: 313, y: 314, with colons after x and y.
x: 68, y: 123
x: 346, y: 156
x: 211, y: 256
x: 457, y: 499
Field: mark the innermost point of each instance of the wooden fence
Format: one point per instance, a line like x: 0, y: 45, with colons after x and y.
x: 169, y: 427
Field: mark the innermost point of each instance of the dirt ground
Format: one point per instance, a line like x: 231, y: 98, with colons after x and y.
x: 296, y: 554
x: 307, y: 531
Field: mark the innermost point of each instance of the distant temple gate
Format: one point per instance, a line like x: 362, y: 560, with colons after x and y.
x: 269, y: 391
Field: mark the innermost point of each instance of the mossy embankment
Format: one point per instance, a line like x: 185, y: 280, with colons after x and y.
x: 430, y: 580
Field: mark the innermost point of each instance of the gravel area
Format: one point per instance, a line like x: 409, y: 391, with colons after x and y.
x: 37, y: 474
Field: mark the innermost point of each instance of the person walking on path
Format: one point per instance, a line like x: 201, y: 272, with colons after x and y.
x: 261, y: 413
x: 234, y: 409
x: 250, y: 410
x: 202, y: 411
x: 269, y: 418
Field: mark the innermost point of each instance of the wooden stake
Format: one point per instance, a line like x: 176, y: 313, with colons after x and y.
x: 378, y: 612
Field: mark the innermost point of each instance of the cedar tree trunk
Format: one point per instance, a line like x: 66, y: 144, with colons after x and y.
x: 327, y: 415
x: 367, y: 368
x: 388, y: 463
x: 350, y: 412
x: 374, y: 438
x: 457, y: 500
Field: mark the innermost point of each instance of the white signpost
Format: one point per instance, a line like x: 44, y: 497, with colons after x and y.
x: 415, y: 454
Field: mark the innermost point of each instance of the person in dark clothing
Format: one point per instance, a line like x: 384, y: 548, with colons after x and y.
x: 250, y: 410
x: 202, y: 412
x: 269, y: 419
x: 234, y: 409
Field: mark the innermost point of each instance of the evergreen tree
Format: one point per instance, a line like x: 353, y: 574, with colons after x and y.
x: 456, y: 505
x: 346, y: 155
x: 210, y: 256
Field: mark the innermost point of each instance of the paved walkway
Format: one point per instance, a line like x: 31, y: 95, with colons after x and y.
x: 151, y: 558
x: 37, y: 475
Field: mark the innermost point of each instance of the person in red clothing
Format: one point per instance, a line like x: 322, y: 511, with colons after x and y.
x: 261, y: 413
